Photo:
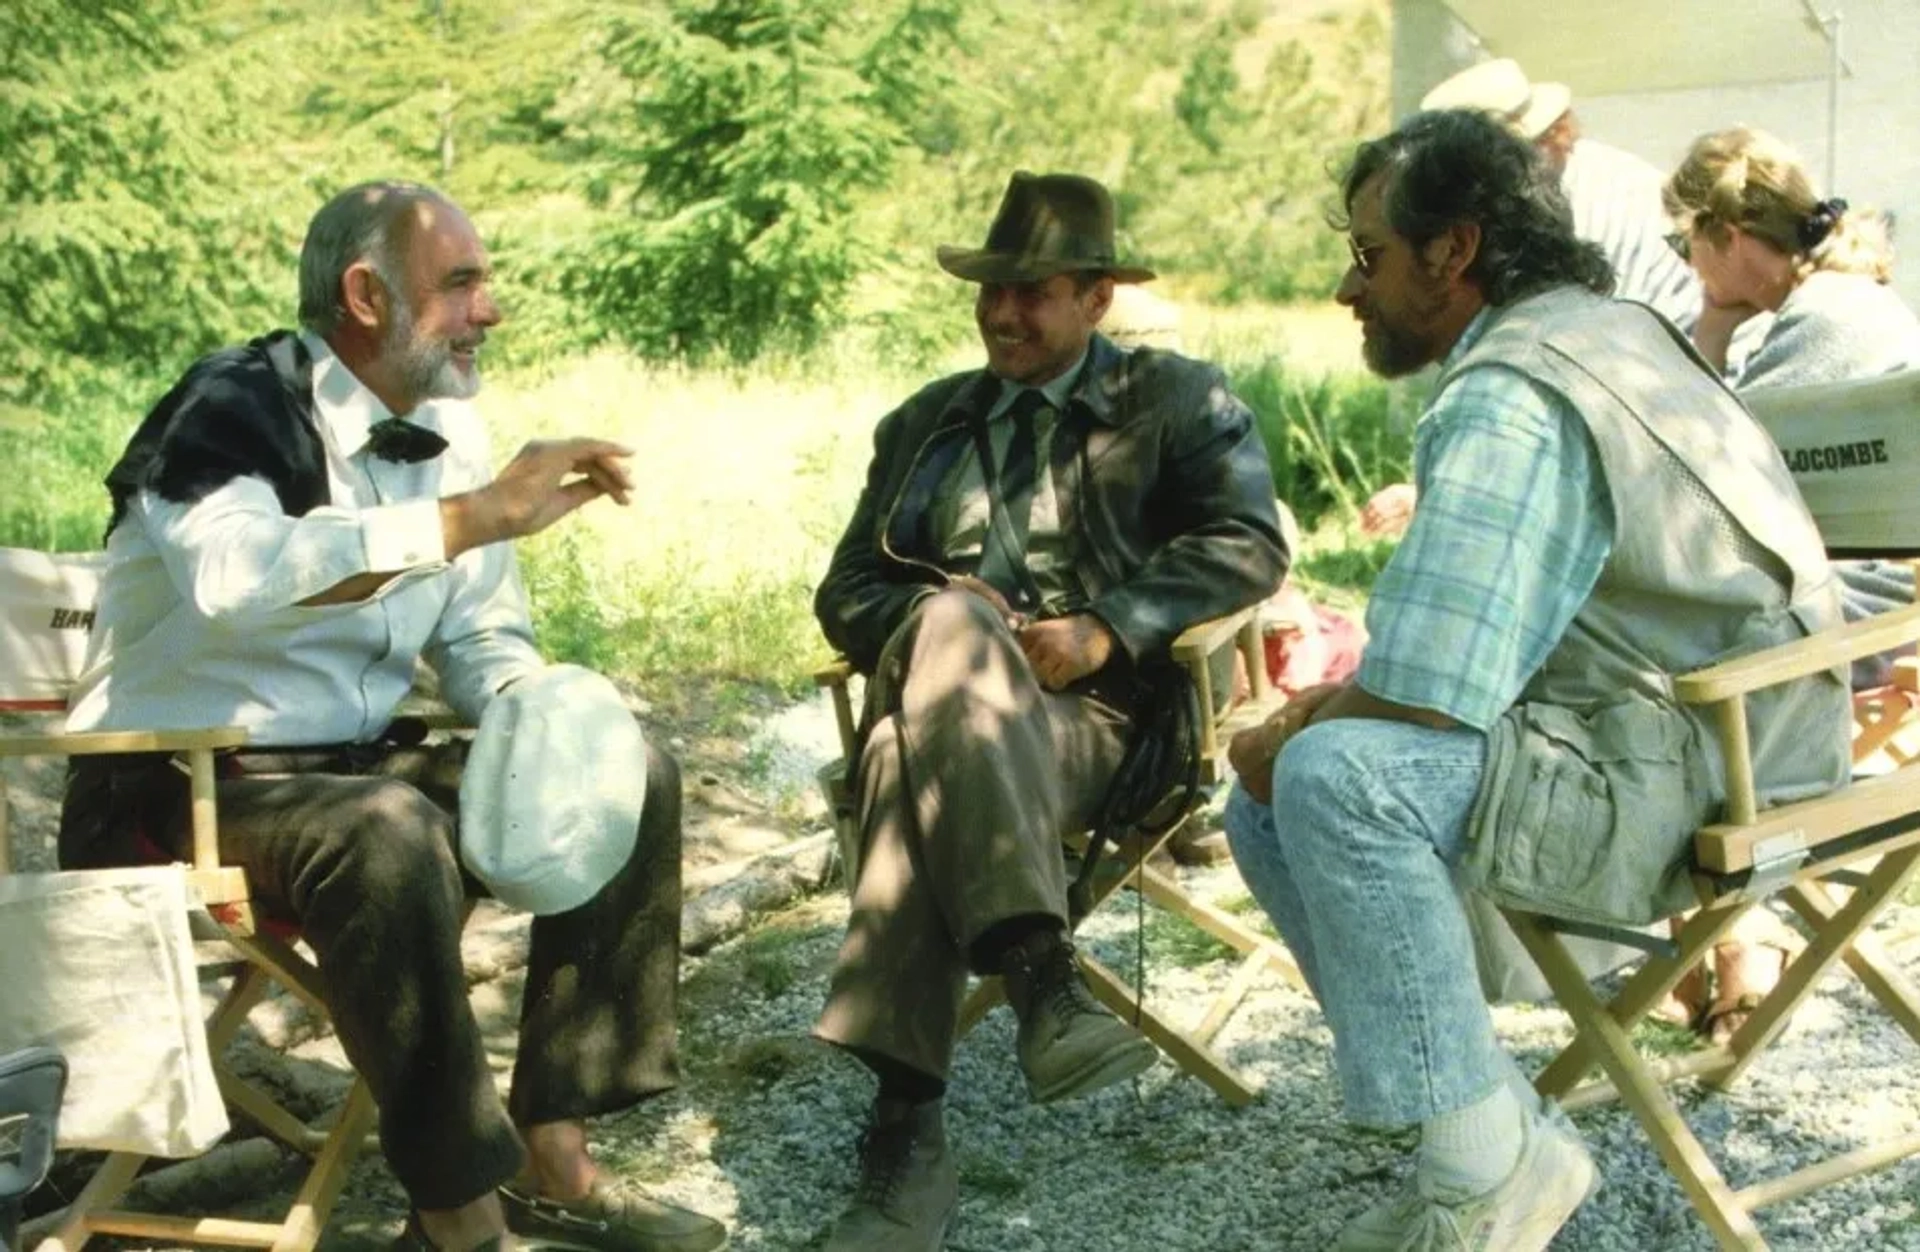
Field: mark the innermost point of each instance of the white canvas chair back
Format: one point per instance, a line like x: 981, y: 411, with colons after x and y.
x: 101, y: 961
x: 100, y: 964
x: 1854, y: 451
x: 97, y: 963
x: 46, y: 610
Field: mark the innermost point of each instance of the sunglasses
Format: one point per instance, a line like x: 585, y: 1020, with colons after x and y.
x: 1681, y: 242
x: 1364, y: 258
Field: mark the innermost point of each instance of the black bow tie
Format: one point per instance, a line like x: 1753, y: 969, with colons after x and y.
x: 392, y: 439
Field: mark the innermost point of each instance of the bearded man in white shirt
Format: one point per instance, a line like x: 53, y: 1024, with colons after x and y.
x: 295, y: 525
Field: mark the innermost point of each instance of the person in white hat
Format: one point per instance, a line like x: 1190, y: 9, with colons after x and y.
x: 296, y: 525
x: 1614, y: 195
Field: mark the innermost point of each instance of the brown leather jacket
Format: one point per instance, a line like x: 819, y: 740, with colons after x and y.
x: 1162, y: 483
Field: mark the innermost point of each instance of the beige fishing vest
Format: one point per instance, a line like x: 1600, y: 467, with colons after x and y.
x: 1598, y: 778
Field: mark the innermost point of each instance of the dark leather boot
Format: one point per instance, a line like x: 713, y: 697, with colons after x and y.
x: 909, y: 1185
x: 1069, y: 1045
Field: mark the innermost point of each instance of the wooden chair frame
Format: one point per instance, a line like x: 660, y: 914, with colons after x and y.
x: 1837, y: 860
x: 222, y: 890
x: 1189, y: 1047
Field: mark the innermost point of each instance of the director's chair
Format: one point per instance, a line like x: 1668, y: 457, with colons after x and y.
x: 1837, y: 861
x: 1125, y: 864
x: 46, y: 609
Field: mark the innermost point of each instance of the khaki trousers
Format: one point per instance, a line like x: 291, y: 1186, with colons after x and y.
x: 969, y: 775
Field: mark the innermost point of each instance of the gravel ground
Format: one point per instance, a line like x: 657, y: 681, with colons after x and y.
x: 1165, y: 1165
x: 762, y: 1131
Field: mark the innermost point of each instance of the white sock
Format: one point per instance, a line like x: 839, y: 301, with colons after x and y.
x: 1522, y: 1087
x: 1471, y: 1151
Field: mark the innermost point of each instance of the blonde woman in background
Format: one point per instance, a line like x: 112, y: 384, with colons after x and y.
x: 1762, y: 239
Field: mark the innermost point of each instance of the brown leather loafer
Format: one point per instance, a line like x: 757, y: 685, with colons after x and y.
x: 612, y: 1217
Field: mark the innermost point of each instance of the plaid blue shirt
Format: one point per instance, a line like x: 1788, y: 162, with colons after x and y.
x: 1512, y: 527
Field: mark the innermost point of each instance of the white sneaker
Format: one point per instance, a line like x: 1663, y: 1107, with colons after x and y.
x: 1553, y: 1177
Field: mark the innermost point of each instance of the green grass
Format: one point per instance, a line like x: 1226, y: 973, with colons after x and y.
x: 1244, y: 906
x: 1654, y: 1038
x: 989, y: 1175
x: 1175, y: 941
x: 56, y: 460
x: 760, y: 1063
x: 1337, y: 566
x: 1330, y: 436
x: 744, y: 483
x: 770, y: 957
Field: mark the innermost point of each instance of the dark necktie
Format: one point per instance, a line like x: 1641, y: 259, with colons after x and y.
x: 1003, y: 558
x: 392, y: 439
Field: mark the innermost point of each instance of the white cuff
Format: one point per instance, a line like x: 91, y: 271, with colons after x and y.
x: 403, y: 536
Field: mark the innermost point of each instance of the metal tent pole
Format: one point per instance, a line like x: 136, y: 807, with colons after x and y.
x: 1829, y: 26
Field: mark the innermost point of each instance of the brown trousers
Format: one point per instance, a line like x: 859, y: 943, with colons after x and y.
x: 970, y: 774
x: 357, y: 847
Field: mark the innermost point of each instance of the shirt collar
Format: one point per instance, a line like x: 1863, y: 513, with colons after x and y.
x: 1468, y: 337
x: 1055, y: 389
x: 342, y: 404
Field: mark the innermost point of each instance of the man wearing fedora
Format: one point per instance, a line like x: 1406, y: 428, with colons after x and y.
x: 1030, y: 535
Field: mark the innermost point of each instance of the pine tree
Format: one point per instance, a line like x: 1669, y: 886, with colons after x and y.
x: 749, y: 130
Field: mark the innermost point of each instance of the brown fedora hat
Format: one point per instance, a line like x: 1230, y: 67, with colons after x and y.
x: 1047, y: 224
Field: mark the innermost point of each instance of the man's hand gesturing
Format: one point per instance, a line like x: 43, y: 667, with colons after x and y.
x: 546, y: 480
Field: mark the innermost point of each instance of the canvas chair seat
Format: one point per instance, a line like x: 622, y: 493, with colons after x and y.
x: 46, y: 608
x: 1126, y: 864
x: 1836, y: 861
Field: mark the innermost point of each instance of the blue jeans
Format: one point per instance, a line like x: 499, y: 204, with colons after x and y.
x: 1351, y: 862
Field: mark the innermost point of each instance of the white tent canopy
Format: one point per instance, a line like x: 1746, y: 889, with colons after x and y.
x: 1614, y: 47
x: 1650, y: 75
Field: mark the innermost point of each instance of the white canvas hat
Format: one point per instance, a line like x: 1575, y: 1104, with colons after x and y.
x: 550, y: 800
x: 1501, y: 88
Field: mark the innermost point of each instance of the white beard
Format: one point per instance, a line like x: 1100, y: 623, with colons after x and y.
x: 427, y: 368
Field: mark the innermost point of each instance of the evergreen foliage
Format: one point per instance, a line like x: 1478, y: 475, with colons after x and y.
x: 729, y: 180
x: 702, y: 178
x: 749, y: 129
x: 127, y: 230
